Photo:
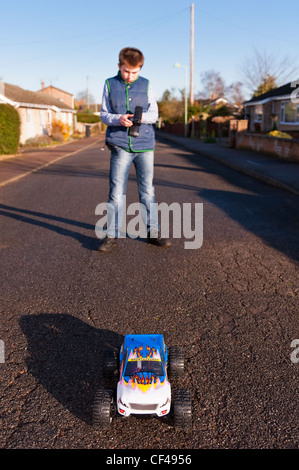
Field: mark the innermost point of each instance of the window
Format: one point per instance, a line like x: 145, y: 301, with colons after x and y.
x: 29, y: 115
x: 141, y: 366
x: 289, y: 113
x: 258, y: 113
x: 42, y: 117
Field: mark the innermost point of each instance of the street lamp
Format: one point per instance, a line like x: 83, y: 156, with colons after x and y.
x: 186, y: 105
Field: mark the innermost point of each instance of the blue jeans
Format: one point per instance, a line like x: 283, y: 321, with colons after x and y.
x: 120, y: 163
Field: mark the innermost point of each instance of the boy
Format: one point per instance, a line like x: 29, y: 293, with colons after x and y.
x: 121, y: 95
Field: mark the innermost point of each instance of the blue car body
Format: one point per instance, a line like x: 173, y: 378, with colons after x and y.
x: 143, y: 386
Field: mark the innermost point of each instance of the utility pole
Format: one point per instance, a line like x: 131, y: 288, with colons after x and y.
x: 191, y: 97
x: 87, y: 92
x: 186, y: 98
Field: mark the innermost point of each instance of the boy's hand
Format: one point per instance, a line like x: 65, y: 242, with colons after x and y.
x: 125, y: 120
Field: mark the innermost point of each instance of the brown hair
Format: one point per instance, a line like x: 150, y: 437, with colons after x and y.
x: 131, y: 56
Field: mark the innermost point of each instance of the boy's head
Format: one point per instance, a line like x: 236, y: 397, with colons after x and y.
x: 130, y: 62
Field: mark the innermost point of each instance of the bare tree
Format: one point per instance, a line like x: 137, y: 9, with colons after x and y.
x: 213, y: 85
x: 235, y: 93
x: 83, y: 95
x: 264, y: 71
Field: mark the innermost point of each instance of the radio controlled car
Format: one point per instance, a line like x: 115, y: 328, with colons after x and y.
x: 144, y: 367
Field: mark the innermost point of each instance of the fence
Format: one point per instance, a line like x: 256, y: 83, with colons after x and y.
x: 286, y: 149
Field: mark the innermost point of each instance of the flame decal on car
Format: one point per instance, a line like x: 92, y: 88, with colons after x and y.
x: 138, y: 352
x: 144, y: 382
x: 151, y: 353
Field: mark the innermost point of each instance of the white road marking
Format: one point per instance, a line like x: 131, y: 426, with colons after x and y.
x: 17, y: 178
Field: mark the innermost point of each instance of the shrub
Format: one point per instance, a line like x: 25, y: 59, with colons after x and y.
x: 9, y: 129
x: 210, y: 139
x: 222, y: 110
x: 60, y: 131
x: 279, y: 135
x: 38, y: 141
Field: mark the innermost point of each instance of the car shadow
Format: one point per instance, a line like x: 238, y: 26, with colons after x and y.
x: 65, y: 357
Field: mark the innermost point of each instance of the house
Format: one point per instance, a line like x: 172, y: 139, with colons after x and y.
x: 277, y: 108
x: 221, y: 101
x: 37, y: 110
x: 63, y: 96
x: 217, y: 102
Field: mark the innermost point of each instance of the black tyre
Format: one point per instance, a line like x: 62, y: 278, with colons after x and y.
x: 176, y: 363
x: 110, y: 365
x: 102, y: 416
x: 182, y: 409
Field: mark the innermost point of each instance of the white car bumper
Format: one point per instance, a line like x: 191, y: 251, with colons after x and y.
x: 136, y: 401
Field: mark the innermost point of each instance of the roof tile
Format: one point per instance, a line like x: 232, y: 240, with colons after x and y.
x: 18, y: 94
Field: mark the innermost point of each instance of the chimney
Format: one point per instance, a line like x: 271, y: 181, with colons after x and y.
x: 43, y: 85
x: 2, y: 87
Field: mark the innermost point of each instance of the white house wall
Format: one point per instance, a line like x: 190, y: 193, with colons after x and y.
x: 37, y: 122
x: 36, y: 119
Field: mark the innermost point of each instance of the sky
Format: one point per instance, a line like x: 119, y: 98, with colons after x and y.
x: 74, y: 45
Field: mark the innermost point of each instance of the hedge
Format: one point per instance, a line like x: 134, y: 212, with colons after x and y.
x: 9, y: 129
x: 88, y: 118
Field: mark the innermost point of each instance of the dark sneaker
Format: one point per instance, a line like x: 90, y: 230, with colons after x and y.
x: 154, y: 238
x: 107, y: 244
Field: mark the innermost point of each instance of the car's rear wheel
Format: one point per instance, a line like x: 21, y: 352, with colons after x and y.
x: 110, y: 365
x: 182, y: 409
x: 102, y: 409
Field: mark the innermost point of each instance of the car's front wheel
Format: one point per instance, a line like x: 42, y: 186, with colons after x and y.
x: 176, y: 362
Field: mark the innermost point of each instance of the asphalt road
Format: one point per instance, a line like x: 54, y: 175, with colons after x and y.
x: 231, y: 304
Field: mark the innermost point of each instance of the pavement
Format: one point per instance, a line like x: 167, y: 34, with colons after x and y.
x: 266, y: 168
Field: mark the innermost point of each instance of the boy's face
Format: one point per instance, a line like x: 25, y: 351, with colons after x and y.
x: 129, y: 73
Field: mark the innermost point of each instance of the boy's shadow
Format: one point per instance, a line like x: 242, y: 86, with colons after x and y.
x: 65, y: 356
x: 48, y: 221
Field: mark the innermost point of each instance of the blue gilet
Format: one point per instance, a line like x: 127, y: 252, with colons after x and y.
x: 124, y: 97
